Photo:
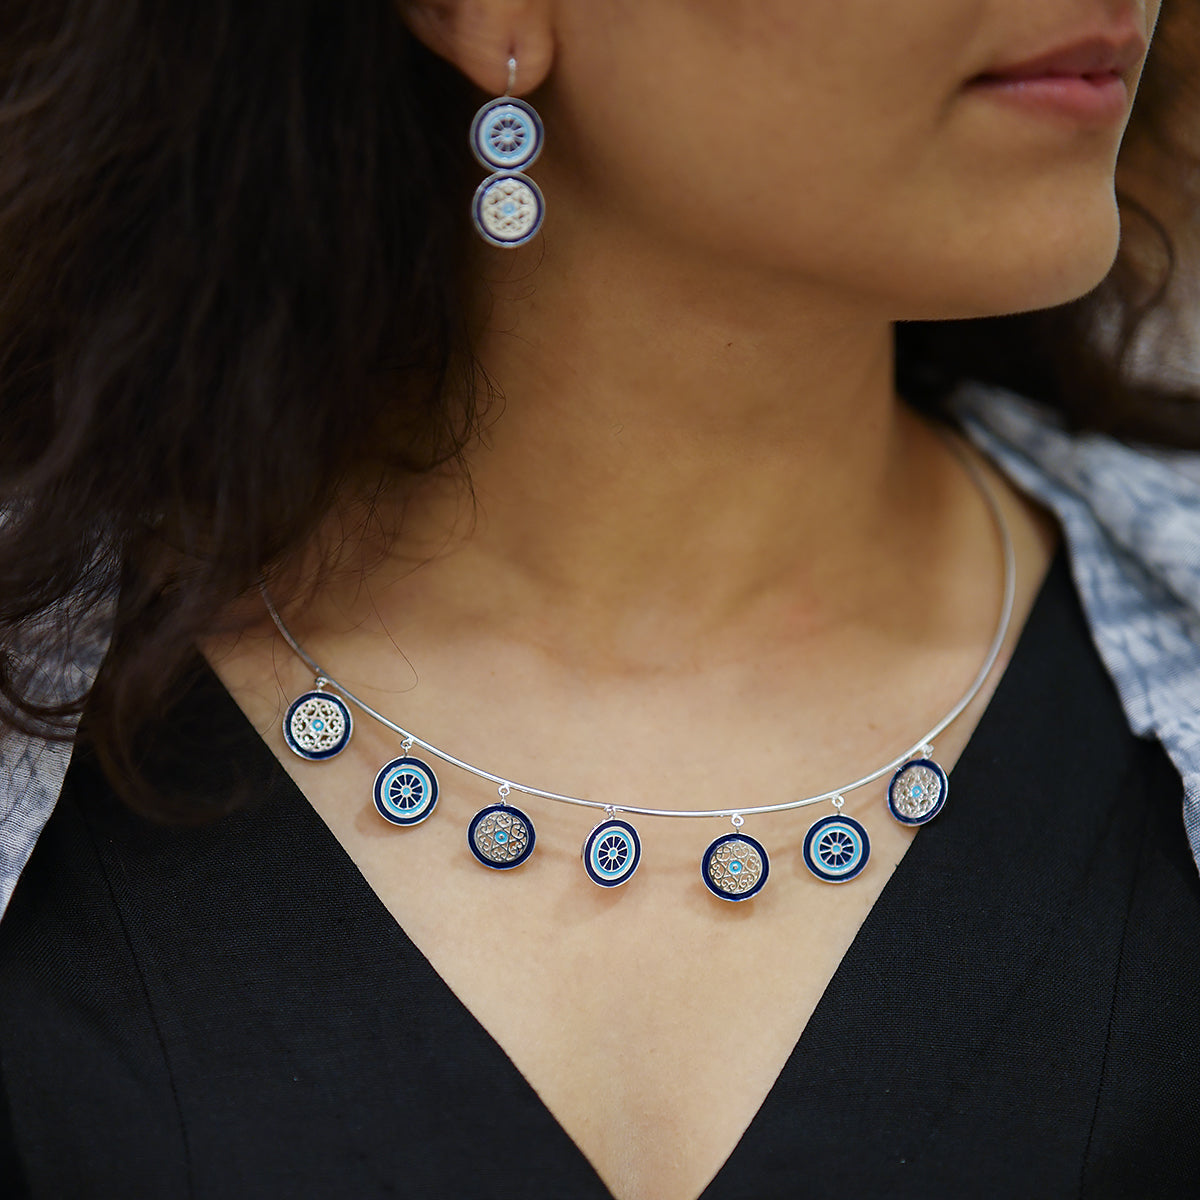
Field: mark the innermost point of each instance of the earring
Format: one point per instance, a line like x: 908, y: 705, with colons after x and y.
x: 506, y: 137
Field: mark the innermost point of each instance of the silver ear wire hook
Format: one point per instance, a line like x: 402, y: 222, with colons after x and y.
x: 512, y: 76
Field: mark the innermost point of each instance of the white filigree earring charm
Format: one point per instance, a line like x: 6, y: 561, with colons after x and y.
x: 506, y: 137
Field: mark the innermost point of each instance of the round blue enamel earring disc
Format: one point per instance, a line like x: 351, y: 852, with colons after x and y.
x: 836, y: 848
x: 317, y: 725
x: 611, y: 853
x: 735, y: 867
x: 501, y: 836
x: 507, y: 135
x: 918, y: 792
x: 406, y: 791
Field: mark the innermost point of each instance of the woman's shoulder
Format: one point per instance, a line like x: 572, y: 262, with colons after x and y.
x: 1130, y: 517
x: 32, y: 768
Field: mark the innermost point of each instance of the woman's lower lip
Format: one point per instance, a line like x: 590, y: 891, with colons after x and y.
x: 1092, y: 100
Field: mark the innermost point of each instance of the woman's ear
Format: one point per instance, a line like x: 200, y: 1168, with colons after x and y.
x: 480, y: 36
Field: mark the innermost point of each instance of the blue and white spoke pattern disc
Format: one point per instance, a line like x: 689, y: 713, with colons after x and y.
x: 735, y: 867
x: 508, y: 209
x: 406, y: 791
x: 836, y: 848
x: 918, y: 791
x: 317, y: 726
x: 611, y: 853
x: 500, y: 836
x: 506, y: 135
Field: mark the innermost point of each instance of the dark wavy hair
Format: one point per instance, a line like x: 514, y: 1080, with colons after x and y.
x: 232, y: 285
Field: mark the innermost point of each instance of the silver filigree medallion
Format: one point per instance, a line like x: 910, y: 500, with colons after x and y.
x: 917, y: 792
x: 501, y: 837
x: 317, y: 725
x: 735, y: 867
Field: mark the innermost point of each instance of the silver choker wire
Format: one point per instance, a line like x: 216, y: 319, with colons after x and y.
x: 318, y: 726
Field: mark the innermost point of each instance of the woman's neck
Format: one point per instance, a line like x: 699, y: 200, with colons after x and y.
x: 673, y: 450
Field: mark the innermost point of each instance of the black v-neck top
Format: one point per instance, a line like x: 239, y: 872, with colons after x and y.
x: 229, y: 1011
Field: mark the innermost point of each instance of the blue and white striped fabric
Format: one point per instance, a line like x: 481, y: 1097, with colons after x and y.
x: 1131, y: 521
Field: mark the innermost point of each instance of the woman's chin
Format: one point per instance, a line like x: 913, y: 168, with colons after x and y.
x: 1046, y: 267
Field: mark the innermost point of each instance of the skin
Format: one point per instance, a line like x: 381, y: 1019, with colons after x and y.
x: 698, y: 512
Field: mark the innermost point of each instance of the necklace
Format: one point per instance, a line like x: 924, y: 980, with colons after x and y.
x: 318, y: 725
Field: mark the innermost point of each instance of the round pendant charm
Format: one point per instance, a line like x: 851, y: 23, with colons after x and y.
x: 918, y: 791
x: 836, y: 848
x: 508, y: 209
x: 611, y: 853
x: 317, y: 726
x: 501, y: 837
x: 735, y: 867
x: 406, y: 791
x: 506, y: 134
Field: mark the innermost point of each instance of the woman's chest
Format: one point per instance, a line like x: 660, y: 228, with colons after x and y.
x: 651, y: 1019
x: 237, y: 1011
x: 249, y: 1016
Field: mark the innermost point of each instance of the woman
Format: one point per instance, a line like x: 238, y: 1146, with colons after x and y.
x: 627, y: 509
